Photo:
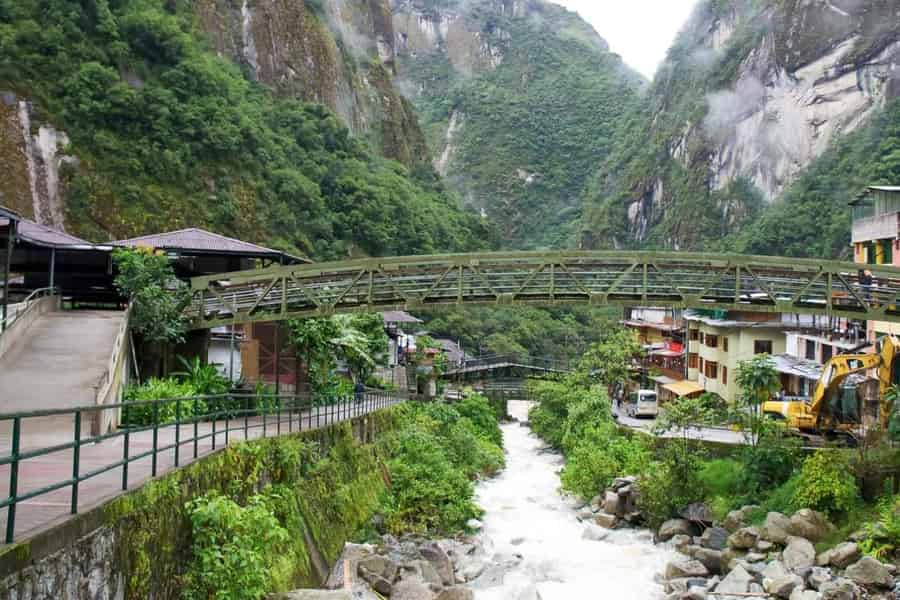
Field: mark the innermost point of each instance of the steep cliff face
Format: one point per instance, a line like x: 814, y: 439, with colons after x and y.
x: 750, y: 96
x: 518, y: 100
x: 339, y: 53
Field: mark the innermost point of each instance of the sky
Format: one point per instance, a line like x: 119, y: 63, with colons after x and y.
x: 640, y: 31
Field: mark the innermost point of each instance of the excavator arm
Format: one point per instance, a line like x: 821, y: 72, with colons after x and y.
x: 836, y: 370
x: 888, y: 376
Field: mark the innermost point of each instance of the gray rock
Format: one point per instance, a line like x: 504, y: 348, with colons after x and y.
x: 422, y: 570
x: 731, y: 557
x: 841, y: 556
x: 594, y: 533
x: 840, y: 589
x: 313, y: 595
x: 774, y: 570
x: 584, y: 514
x: 810, y: 524
x: 755, y: 557
x: 674, y: 527
x: 744, y: 538
x: 783, y: 586
x: 736, y: 582
x: 764, y: 546
x: 680, y: 541
x: 611, y: 503
x: 351, y: 553
x: 755, y: 588
x: 801, y: 594
x: 869, y: 572
x: 456, y: 593
x: 714, y: 538
x: 817, y: 577
x: 378, y: 566
x: 474, y: 525
x: 698, y: 512
x: 605, y: 520
x: 711, y: 559
x: 439, y: 559
x: 410, y: 589
x: 738, y: 518
x: 681, y: 567
x: 776, y: 528
x: 799, y: 553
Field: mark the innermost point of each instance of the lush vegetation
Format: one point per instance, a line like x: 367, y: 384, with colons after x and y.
x: 433, y: 459
x: 532, y: 128
x: 168, y: 135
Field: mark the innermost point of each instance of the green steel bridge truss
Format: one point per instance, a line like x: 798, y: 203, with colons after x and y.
x: 664, y: 279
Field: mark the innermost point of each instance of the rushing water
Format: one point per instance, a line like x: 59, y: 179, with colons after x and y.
x: 526, y: 516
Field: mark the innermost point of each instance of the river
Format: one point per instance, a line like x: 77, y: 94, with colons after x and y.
x: 525, y: 515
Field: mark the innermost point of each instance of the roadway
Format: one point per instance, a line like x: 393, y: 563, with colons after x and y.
x: 707, y: 434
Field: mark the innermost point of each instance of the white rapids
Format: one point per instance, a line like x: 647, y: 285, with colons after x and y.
x: 525, y: 515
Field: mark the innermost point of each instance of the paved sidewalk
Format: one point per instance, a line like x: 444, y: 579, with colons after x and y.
x: 53, y: 507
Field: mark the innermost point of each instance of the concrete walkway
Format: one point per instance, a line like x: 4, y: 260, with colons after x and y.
x: 59, y: 361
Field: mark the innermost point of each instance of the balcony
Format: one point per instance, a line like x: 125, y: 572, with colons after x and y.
x: 878, y: 227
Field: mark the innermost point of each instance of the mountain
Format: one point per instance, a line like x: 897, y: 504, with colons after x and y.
x: 757, y: 106
x: 518, y: 99
x: 274, y: 121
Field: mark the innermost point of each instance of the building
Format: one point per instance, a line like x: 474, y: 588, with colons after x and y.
x: 718, y: 341
x: 875, y: 239
x: 661, y: 332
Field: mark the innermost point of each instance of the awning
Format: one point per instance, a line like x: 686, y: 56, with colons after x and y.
x: 684, y: 388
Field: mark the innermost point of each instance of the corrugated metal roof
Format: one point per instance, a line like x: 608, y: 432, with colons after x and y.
x: 399, y: 316
x: 885, y: 188
x: 43, y: 235
x: 200, y: 240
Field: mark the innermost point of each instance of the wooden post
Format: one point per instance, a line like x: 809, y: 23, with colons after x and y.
x: 7, y: 266
x: 277, y: 360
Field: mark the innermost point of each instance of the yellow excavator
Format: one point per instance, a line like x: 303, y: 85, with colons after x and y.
x: 834, y: 408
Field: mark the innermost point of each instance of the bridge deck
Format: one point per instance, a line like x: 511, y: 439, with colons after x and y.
x: 674, y: 279
x: 502, y: 365
x: 46, y: 510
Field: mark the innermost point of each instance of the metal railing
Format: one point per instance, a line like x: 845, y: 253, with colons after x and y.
x: 178, y: 425
x: 19, y: 309
x: 483, y: 362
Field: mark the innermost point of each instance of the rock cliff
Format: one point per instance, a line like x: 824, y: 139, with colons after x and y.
x: 752, y: 93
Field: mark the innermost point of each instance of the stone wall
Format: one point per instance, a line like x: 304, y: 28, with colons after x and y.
x: 138, y: 544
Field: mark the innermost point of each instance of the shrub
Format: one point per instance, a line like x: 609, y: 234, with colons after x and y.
x: 771, y: 461
x: 428, y: 494
x: 826, y: 483
x: 235, y: 548
x: 882, y: 537
x: 669, y: 485
x: 160, y: 389
x: 481, y: 414
x: 601, y: 455
x: 721, y: 477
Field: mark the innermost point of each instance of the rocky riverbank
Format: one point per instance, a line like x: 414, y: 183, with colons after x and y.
x: 734, y: 559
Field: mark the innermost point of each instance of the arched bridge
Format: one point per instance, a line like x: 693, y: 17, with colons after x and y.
x: 671, y: 279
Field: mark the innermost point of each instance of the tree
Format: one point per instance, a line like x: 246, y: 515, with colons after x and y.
x: 758, y: 381
x: 158, y: 298
x: 609, y: 360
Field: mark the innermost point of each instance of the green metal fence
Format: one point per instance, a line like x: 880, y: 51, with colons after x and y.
x: 187, y: 421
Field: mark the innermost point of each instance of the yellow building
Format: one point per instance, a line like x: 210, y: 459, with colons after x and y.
x: 720, y: 340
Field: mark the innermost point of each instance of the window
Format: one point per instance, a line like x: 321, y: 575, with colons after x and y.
x: 693, y: 361
x: 712, y: 341
x: 827, y: 352
x: 702, y: 335
x: 725, y: 344
x: 724, y: 375
x: 701, y: 364
x: 762, y: 347
x: 712, y: 369
x: 694, y: 335
x: 810, y: 350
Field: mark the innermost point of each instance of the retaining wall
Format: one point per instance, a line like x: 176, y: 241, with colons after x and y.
x: 137, y: 546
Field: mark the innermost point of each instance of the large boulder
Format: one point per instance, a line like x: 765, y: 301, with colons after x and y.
x: 810, y: 524
x: 783, y: 586
x: 840, y: 589
x: 774, y: 570
x: 682, y: 566
x: 776, y: 528
x: 456, y: 593
x: 801, y: 594
x: 711, y: 559
x: 714, y: 538
x: 674, y: 527
x: 736, y: 582
x: 439, y: 559
x: 799, y: 553
x: 738, y: 518
x: 410, y: 589
x: 868, y: 572
x: 744, y: 538
x: 351, y: 553
x: 612, y: 503
x: 698, y: 512
x: 817, y: 577
x: 841, y: 556
x: 605, y: 520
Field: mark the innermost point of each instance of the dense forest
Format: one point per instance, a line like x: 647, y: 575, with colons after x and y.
x: 168, y: 135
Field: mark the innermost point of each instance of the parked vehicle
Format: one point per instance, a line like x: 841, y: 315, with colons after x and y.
x: 642, y: 403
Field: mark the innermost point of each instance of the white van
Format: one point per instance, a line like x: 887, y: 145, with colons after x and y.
x: 642, y: 403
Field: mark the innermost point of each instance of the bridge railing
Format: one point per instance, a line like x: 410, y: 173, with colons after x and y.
x: 550, y: 364
x: 167, y: 433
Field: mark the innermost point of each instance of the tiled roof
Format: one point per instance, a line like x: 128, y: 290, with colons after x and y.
x: 199, y: 240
